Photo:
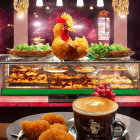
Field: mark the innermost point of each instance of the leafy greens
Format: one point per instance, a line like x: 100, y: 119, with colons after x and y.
x: 100, y: 50
x: 25, y: 47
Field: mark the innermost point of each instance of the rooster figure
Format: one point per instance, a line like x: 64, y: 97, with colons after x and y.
x: 63, y: 46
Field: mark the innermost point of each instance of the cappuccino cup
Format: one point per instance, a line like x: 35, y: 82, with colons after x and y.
x: 94, y: 118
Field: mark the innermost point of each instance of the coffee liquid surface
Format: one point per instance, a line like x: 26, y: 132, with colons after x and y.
x: 97, y: 105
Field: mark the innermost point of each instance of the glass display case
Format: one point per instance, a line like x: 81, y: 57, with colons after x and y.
x: 41, y: 76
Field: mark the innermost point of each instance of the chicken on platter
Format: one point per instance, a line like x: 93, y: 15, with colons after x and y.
x: 63, y: 46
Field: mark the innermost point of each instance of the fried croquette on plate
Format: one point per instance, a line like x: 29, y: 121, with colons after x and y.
x: 59, y: 126
x: 33, y: 130
x: 53, y: 118
x: 55, y: 134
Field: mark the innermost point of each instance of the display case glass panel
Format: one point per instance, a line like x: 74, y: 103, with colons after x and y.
x: 51, y: 76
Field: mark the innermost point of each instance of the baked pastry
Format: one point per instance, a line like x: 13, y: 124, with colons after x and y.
x: 22, y: 74
x: 115, y: 68
x: 123, y: 68
x: 84, y: 69
x: 107, y: 68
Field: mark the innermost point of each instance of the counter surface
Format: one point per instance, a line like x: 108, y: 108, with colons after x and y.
x: 42, y: 101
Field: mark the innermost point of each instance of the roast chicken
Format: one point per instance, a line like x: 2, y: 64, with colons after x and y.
x: 63, y: 46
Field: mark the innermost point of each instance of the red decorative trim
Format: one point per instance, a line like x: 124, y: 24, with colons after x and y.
x: 42, y: 101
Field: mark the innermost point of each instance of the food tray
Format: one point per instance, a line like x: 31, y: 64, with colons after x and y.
x: 30, y: 57
x: 116, y: 54
x: 131, y: 133
x: 56, y: 71
x: 83, y: 71
x: 28, y: 84
x: 114, y: 70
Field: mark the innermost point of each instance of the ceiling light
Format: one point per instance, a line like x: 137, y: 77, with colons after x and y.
x: 80, y: 3
x: 59, y: 3
x: 37, y: 23
x: 39, y: 3
x: 121, y: 7
x: 36, y: 16
x: 21, y: 6
x: 91, y: 8
x: 21, y: 15
x: 123, y: 16
x: 100, y: 3
x: 47, y: 8
x: 80, y: 26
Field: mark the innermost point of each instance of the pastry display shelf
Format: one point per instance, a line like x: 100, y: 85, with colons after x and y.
x: 7, y: 63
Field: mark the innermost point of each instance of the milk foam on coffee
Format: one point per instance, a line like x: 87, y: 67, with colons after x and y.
x: 95, y: 105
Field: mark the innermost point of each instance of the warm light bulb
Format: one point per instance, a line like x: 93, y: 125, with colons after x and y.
x: 79, y: 26
x: 123, y: 16
x: 59, y: 3
x: 91, y: 8
x: 80, y: 3
x: 100, y: 3
x: 37, y: 23
x: 20, y: 15
x: 36, y: 16
x: 47, y: 8
x: 39, y: 3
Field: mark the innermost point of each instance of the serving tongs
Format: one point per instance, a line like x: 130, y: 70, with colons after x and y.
x: 18, y: 136
x: 9, y: 49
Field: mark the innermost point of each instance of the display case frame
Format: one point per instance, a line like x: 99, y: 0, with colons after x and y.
x: 53, y: 93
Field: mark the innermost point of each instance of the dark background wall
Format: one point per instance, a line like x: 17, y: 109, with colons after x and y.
x: 6, y: 32
x: 133, y: 23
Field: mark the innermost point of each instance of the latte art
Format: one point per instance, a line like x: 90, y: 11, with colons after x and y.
x: 95, y: 105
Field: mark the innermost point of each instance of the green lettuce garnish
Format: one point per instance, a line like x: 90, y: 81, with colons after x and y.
x: 100, y: 50
x: 26, y: 47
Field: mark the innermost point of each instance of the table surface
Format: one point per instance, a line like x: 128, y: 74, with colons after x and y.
x: 42, y: 101
x: 132, y: 125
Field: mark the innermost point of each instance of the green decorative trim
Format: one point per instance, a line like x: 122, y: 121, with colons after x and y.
x: 63, y: 91
x: 126, y: 91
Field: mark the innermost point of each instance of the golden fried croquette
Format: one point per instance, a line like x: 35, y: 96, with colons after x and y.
x: 53, y: 118
x: 33, y: 130
x: 59, y: 126
x: 55, y: 134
